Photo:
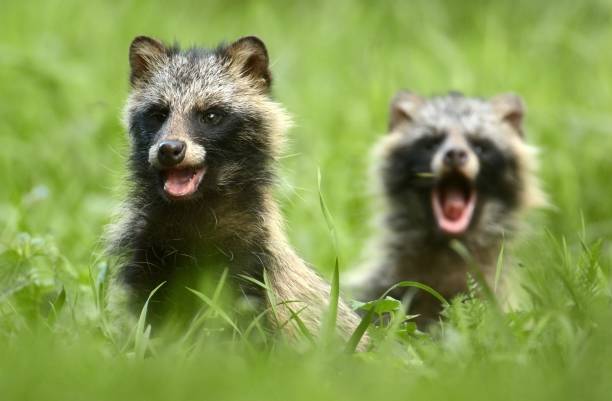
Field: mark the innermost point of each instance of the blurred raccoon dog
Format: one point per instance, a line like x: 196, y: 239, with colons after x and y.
x: 451, y: 167
x: 204, y: 135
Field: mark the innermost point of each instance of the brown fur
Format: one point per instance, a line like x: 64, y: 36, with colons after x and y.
x: 408, y: 244
x: 233, y: 220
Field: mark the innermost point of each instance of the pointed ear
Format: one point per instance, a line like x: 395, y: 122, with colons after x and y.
x: 145, y: 53
x: 250, y: 57
x: 403, y: 107
x: 510, y: 109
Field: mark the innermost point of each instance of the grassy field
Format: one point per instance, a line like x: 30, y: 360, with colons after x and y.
x: 63, y: 79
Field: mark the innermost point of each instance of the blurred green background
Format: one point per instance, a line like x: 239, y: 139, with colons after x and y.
x: 336, y: 64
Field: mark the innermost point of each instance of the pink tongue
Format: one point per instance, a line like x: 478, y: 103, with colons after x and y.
x: 454, y: 204
x: 181, y: 182
x: 452, y: 210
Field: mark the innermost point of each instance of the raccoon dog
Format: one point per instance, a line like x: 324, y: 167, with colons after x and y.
x: 204, y: 135
x: 451, y: 167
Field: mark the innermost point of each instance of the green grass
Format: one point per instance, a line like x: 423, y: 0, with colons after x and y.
x: 63, y: 78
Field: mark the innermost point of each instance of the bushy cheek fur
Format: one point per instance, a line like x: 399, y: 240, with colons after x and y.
x: 237, y: 139
x: 141, y: 139
x: 407, y: 168
x: 238, y: 151
x: 498, y: 179
x: 405, y: 172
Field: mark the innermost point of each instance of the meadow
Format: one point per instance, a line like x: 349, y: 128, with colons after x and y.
x: 63, y: 80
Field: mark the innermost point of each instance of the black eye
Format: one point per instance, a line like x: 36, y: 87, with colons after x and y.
x: 212, y: 116
x: 481, y: 147
x: 157, y: 115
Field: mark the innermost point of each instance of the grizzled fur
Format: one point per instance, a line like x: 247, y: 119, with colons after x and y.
x: 232, y: 221
x: 500, y: 165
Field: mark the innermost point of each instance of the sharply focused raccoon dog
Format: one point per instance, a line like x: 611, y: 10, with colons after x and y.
x: 204, y: 136
x: 451, y: 167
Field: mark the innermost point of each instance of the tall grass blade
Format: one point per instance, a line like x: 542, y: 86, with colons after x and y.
x: 328, y: 327
x: 416, y: 284
x: 141, y: 339
x: 499, y: 267
x: 359, y: 332
x: 216, y: 308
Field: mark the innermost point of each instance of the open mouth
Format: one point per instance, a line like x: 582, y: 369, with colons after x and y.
x: 453, y: 199
x: 181, y: 183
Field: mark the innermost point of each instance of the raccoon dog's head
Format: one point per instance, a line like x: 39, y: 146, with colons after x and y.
x: 201, y: 121
x: 458, y: 164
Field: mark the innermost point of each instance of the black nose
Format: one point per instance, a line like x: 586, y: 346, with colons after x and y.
x: 171, y: 153
x: 455, y: 157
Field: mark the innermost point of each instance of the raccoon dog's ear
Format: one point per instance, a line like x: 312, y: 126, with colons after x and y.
x: 250, y: 57
x: 510, y: 109
x: 403, y: 107
x: 145, y: 53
